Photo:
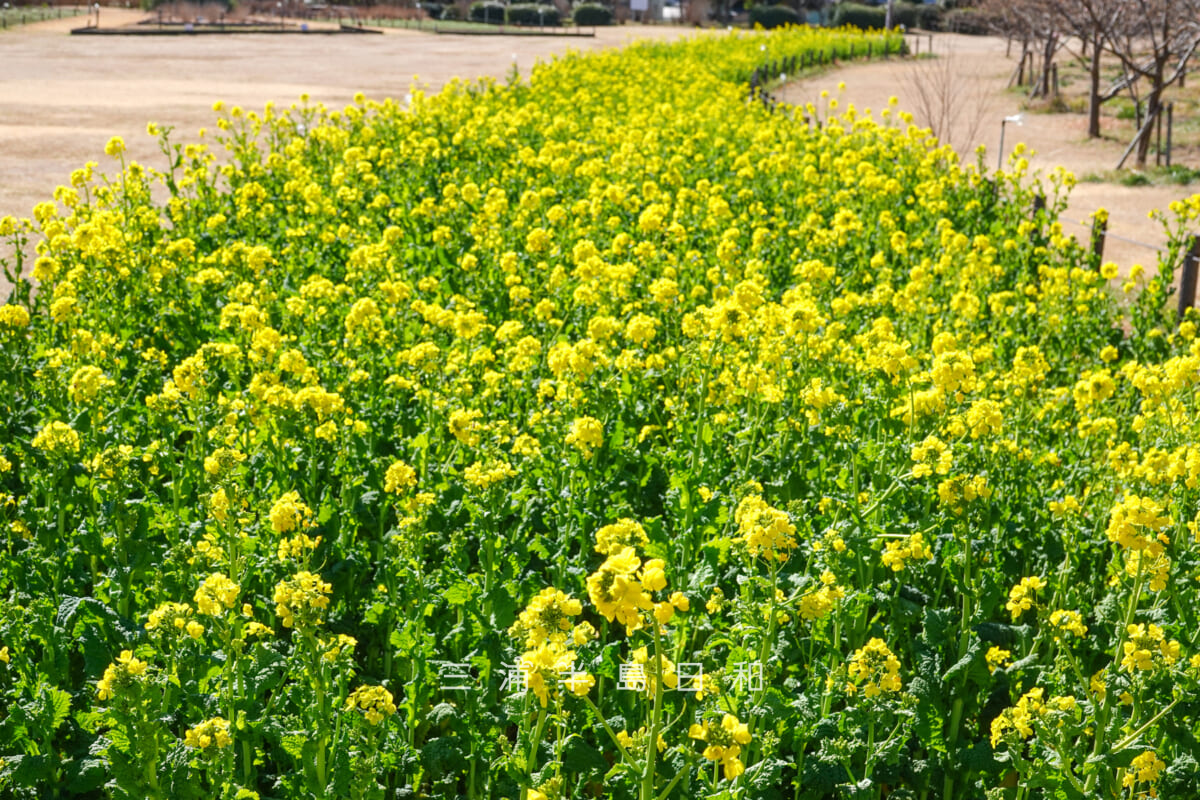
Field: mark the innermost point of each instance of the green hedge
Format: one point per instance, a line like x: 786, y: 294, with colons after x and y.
x: 774, y: 16
x: 592, y: 15
x: 534, y: 14
x: 910, y: 15
x: 487, y: 11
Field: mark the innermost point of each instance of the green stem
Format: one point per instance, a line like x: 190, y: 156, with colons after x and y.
x: 647, y: 792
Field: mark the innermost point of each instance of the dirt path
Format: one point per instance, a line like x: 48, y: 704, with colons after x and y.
x: 975, y: 73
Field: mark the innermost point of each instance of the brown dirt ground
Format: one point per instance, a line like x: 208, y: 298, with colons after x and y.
x: 980, y: 95
x: 62, y: 97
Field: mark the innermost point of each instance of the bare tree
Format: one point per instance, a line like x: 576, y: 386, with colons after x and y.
x: 1091, y: 24
x: 948, y: 100
x: 1033, y: 23
x: 1155, y: 44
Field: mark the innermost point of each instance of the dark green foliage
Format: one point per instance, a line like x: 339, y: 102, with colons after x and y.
x: 774, y: 16
x: 592, y: 15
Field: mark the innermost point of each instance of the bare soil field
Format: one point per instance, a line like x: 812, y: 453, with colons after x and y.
x: 972, y: 75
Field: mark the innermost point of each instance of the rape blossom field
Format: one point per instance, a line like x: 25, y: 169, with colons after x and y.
x: 606, y: 434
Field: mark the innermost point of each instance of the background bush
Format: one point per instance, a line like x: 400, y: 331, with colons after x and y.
x: 487, y: 12
x: 910, y: 15
x: 534, y: 14
x: 774, y: 16
x: 592, y: 14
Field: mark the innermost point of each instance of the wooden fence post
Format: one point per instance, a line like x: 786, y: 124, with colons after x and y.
x: 1099, y: 235
x: 1158, y: 142
x: 1170, y: 127
x: 1187, y: 281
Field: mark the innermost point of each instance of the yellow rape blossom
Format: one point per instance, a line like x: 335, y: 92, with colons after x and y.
x: 723, y: 743
x: 212, y: 733
x: 123, y: 676
x: 586, y: 434
x: 289, y: 513
x: 766, y: 531
x: 373, y: 702
x: 875, y: 667
x: 300, y: 601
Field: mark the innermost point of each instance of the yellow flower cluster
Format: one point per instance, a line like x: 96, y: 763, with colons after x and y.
x: 931, y: 456
x: 875, y: 668
x: 212, y: 733
x: 547, y: 618
x: 1021, y: 597
x: 625, y: 532
x: 620, y: 592
x: 216, y: 594
x: 86, y: 383
x: 300, y: 601
x: 400, y: 478
x: 1147, y: 648
x: 123, y: 676
x: 997, y: 657
x: 956, y: 493
x: 1136, y: 523
x: 57, y: 439
x: 1067, y: 622
x: 1018, y: 721
x: 297, y: 547
x: 723, y: 743
x: 486, y: 474
x: 374, y: 702
x: 897, y: 554
x: 13, y: 317
x: 818, y: 603
x: 766, y: 531
x: 1146, y: 768
x: 175, y: 616
x: 289, y: 513
x: 586, y: 434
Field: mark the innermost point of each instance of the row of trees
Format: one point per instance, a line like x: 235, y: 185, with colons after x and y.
x: 1152, y: 40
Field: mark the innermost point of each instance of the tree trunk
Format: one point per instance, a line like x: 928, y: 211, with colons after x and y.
x: 1094, y: 91
x: 1047, y: 60
x: 1153, y: 106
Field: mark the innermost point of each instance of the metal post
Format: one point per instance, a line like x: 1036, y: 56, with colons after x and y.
x: 1187, y: 281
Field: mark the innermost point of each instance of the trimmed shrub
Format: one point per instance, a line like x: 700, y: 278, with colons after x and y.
x: 487, y: 11
x: 910, y: 15
x: 592, y: 15
x: 533, y: 14
x: 774, y: 16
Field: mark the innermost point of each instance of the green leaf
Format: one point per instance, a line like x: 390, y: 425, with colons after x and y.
x: 581, y: 758
x: 459, y: 594
x: 58, y: 704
